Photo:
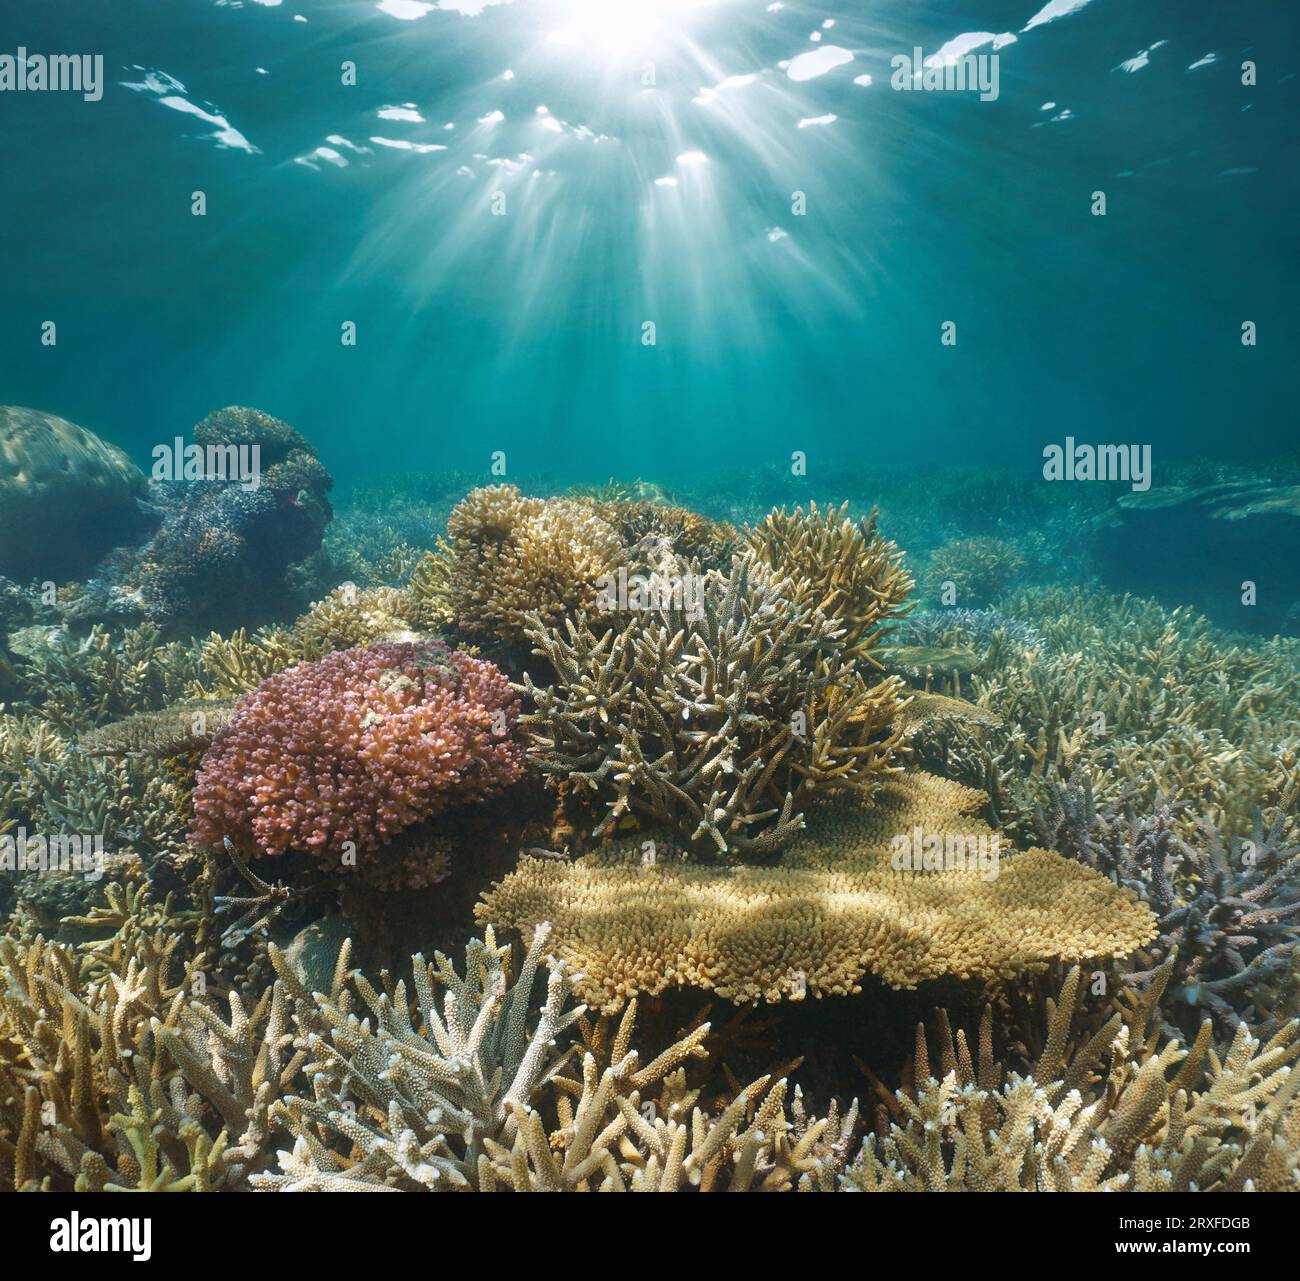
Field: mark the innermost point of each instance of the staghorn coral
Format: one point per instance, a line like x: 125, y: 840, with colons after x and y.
x: 980, y: 570
x: 30, y: 749
x: 652, y: 530
x: 76, y: 682
x: 511, y: 556
x: 715, y: 721
x: 981, y: 630
x: 115, y: 1076
x: 413, y: 1104
x: 1140, y: 698
x: 54, y: 793
x: 637, y: 917
x: 1227, y: 909
x: 1125, y: 1110
x: 845, y: 569
x: 351, y: 749
x: 453, y: 1097
x: 430, y: 584
x: 238, y: 663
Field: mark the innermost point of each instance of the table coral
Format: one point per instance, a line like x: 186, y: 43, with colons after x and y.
x: 354, y: 748
x: 832, y: 911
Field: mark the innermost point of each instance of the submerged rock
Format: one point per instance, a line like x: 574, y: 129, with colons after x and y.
x: 1205, y: 545
x: 226, y: 551
x: 66, y: 496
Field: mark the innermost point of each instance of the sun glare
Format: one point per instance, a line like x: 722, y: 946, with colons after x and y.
x: 617, y: 27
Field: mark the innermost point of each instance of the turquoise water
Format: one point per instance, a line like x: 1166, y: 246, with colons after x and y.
x: 670, y: 203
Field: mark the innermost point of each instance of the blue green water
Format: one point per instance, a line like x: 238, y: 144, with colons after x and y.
x: 672, y: 203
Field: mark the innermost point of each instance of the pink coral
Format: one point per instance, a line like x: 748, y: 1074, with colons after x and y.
x: 355, y: 748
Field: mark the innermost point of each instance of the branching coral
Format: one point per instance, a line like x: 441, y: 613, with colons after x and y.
x: 844, y: 568
x: 113, y: 1075
x: 1228, y: 909
x: 238, y: 663
x: 715, y: 718
x: 512, y: 556
x: 350, y: 616
x: 453, y: 1097
x: 1140, y: 698
x: 418, y: 1101
x: 353, y: 748
x: 59, y: 795
x: 979, y: 570
x: 1125, y: 1111
x: 651, y: 530
x: 91, y: 680
x: 637, y: 917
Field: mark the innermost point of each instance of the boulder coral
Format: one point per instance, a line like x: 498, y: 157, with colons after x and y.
x: 355, y: 748
x: 67, y: 496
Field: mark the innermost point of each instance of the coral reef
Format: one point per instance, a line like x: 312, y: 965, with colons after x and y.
x: 350, y: 617
x: 1227, y: 908
x: 635, y: 918
x: 452, y: 1098
x: 1138, y: 697
x: 77, y: 682
x: 349, y: 750
x: 980, y: 630
x: 714, y: 717
x: 225, y: 549
x: 760, y: 783
x: 652, y: 530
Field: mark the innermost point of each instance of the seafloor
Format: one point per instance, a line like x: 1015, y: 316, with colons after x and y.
x: 854, y: 830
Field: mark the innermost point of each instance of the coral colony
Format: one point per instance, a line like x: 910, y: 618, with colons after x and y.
x: 451, y: 847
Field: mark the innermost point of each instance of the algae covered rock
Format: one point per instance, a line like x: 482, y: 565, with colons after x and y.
x: 67, y: 496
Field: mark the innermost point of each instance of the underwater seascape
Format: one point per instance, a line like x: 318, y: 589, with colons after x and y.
x: 650, y: 595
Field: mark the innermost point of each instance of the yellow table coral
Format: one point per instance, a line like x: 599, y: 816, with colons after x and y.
x: 637, y: 917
